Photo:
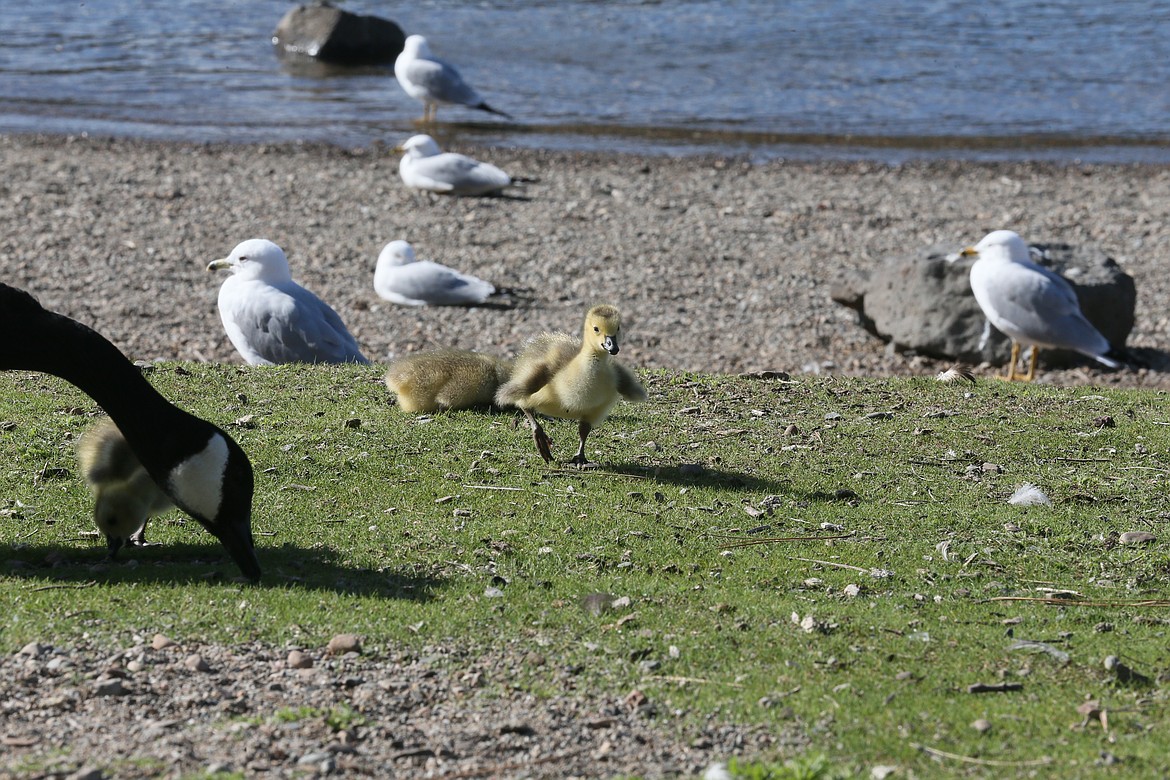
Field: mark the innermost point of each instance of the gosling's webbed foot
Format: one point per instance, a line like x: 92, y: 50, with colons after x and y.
x: 543, y: 443
x: 139, y: 540
x: 580, y: 461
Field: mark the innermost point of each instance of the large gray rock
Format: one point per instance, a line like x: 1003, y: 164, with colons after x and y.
x: 923, y: 302
x: 329, y: 34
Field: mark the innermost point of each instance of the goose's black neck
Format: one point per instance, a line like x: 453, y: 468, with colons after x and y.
x: 45, y: 341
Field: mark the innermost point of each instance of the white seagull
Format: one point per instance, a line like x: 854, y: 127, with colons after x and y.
x: 427, y: 78
x: 425, y: 167
x: 271, y: 319
x: 402, y: 279
x: 1030, y: 304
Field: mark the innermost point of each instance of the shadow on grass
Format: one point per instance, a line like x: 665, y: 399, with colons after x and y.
x: 692, y: 475
x: 286, y: 566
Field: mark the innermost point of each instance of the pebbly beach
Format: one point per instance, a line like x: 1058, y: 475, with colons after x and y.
x: 719, y: 264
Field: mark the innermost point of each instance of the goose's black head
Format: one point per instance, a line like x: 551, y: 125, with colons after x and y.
x: 214, y: 485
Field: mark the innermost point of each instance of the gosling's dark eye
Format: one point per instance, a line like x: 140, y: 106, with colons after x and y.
x: 596, y: 329
x: 243, y: 258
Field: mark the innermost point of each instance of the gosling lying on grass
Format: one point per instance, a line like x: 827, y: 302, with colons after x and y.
x: 125, y: 496
x: 446, y: 379
x: 561, y: 377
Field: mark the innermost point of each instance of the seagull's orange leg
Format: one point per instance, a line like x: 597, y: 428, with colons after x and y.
x: 1032, y: 365
x: 1011, y: 372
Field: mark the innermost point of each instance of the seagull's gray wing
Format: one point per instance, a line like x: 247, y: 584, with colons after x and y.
x: 451, y: 172
x: 1041, y: 307
x: 439, y: 285
x: 296, y: 326
x: 441, y: 81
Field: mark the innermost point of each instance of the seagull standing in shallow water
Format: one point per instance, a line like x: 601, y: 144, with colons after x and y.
x: 427, y: 78
x: 1030, y: 304
x: 271, y: 319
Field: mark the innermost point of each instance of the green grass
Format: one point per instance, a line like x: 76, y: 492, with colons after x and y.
x: 397, y: 528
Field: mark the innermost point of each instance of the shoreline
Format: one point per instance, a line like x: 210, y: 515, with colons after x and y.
x: 719, y: 264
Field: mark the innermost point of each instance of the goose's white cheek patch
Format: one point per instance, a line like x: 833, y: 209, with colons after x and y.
x: 197, y: 482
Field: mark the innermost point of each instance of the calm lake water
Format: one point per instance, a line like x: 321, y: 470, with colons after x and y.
x: 804, y: 79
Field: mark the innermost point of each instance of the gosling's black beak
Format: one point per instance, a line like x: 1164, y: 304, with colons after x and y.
x: 610, y: 344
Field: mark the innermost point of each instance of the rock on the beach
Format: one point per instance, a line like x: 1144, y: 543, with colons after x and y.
x: 923, y: 302
x: 344, y: 643
x: 329, y: 34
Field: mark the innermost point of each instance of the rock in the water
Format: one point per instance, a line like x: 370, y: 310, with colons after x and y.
x: 329, y: 34
x: 923, y: 302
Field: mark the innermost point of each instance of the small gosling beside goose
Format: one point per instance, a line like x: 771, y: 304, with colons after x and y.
x: 559, y: 376
x: 125, y: 496
x: 446, y: 379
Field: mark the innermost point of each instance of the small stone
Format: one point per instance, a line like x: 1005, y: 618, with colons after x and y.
x: 161, y: 642
x: 597, y: 603
x: 108, y: 687
x: 87, y: 773
x: 344, y: 643
x: 982, y: 725
x: 196, y: 663
x: 852, y: 591
x: 493, y: 593
x: 635, y: 699
x: 33, y: 649
x: 298, y: 660
x: 1137, y: 537
x: 316, y: 757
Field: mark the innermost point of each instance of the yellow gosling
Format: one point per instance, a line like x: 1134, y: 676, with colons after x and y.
x: 559, y: 376
x: 125, y: 496
x: 446, y: 379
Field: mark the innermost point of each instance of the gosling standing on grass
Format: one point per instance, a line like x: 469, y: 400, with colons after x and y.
x: 1030, y: 304
x: 125, y: 496
x: 446, y: 379
x: 558, y: 376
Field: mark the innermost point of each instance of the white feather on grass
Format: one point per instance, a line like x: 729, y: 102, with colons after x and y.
x: 956, y: 373
x: 1028, y: 494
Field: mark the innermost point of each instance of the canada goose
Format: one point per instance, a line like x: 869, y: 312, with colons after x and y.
x: 1030, y: 304
x: 271, y: 319
x: 446, y: 379
x: 199, y: 467
x: 400, y: 278
x: 425, y: 77
x: 125, y: 496
x: 560, y: 376
x: 425, y: 167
